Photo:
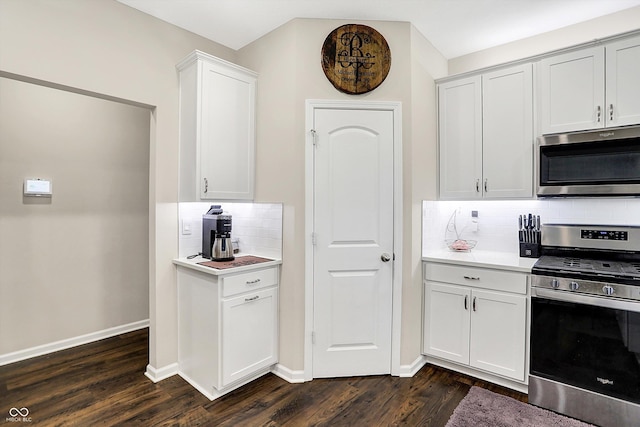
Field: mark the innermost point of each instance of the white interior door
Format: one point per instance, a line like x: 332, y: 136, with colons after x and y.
x: 353, y: 251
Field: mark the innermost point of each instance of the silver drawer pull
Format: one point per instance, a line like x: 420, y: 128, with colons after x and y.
x: 252, y: 298
x: 471, y: 278
x: 253, y: 282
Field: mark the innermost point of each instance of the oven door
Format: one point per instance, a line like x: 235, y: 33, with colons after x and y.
x: 592, y: 343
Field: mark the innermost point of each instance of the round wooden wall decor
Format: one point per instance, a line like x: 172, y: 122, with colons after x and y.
x: 355, y: 58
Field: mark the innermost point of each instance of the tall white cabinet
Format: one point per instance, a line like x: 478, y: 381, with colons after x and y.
x: 485, y: 128
x: 591, y: 88
x: 217, y: 129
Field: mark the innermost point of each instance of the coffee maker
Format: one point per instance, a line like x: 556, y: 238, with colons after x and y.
x: 216, y: 235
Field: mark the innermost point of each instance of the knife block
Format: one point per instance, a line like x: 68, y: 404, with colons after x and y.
x: 529, y: 250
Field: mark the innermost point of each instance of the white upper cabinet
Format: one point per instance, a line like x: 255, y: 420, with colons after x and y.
x: 572, y: 91
x: 623, y: 83
x: 460, y: 138
x: 591, y: 88
x: 486, y: 135
x: 217, y: 129
x: 507, y: 133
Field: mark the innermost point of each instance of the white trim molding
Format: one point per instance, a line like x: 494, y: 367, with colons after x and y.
x: 410, y: 370
x: 160, y: 374
x: 311, y: 105
x: 289, y: 375
x: 41, y: 350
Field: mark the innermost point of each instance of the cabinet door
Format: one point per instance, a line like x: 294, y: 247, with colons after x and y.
x: 507, y: 132
x: 498, y: 333
x: 572, y: 91
x: 227, y: 133
x: 249, y: 334
x: 460, y: 138
x: 623, y: 82
x: 446, y: 321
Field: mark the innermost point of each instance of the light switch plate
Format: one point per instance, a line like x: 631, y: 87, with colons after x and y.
x: 186, y: 227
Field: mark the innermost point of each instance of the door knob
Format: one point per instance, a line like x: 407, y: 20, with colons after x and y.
x: 385, y: 257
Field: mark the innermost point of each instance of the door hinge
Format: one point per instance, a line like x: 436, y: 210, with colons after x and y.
x: 314, y: 238
x: 314, y: 140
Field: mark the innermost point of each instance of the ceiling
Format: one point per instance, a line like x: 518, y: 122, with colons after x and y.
x: 454, y: 27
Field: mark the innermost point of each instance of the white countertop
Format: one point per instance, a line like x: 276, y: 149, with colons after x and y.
x: 193, y: 264
x: 488, y: 259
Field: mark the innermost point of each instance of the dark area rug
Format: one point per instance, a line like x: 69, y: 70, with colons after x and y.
x: 483, y: 408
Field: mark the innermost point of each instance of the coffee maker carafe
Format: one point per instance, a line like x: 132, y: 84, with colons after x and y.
x: 216, y: 235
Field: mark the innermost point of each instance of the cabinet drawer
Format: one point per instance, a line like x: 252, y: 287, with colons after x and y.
x: 500, y: 280
x: 249, y: 281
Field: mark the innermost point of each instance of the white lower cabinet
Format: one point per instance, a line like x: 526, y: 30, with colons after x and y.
x: 248, y: 334
x: 476, y: 317
x: 227, y: 328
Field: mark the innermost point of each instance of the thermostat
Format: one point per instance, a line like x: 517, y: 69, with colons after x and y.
x: 37, y: 187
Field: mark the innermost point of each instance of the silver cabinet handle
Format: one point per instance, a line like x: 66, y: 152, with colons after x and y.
x: 598, y: 113
x: 206, y: 185
x: 385, y: 257
x: 477, y: 185
x: 471, y: 278
x: 466, y: 302
x: 252, y: 282
x: 611, y: 112
x: 474, y: 303
x: 252, y: 298
x: 485, y: 185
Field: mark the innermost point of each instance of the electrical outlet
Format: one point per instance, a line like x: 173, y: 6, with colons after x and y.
x: 474, y: 221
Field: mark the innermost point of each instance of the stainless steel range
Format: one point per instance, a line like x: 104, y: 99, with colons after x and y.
x: 585, y: 323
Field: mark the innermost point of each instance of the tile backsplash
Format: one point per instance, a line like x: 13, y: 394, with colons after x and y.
x: 497, y: 225
x: 257, y: 226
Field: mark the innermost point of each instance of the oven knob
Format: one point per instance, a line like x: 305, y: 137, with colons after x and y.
x: 555, y: 284
x: 607, y: 290
x: 574, y: 286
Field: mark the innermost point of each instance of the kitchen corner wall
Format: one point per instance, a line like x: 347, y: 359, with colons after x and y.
x: 286, y: 80
x: 257, y: 226
x: 498, y: 220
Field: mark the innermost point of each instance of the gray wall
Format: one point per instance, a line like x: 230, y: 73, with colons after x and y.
x: 78, y: 262
x: 105, y: 47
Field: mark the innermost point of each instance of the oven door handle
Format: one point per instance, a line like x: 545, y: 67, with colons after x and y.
x: 597, y: 301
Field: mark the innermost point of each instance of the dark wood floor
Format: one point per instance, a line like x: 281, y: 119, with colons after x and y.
x: 103, y: 384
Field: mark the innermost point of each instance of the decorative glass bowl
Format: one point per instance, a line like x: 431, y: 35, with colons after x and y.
x: 461, y: 245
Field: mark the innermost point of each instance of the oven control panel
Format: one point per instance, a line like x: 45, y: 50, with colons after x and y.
x: 604, y: 235
x: 592, y: 236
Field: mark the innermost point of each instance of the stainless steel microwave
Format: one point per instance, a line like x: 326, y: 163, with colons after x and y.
x: 604, y: 162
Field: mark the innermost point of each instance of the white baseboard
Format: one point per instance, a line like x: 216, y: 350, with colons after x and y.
x: 40, y: 350
x: 413, y: 368
x: 287, y: 374
x: 160, y: 374
x: 522, y: 387
x: 214, y: 394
